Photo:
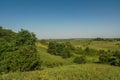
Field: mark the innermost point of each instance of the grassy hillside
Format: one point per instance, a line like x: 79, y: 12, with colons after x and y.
x: 49, y: 60
x: 58, y: 68
x: 69, y: 72
x: 52, y: 60
x: 104, y: 45
x: 86, y: 42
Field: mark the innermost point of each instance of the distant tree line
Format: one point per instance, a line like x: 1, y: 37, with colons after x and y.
x: 106, y: 39
x: 18, y: 51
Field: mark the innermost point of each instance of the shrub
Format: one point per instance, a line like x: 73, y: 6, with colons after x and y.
x: 52, y: 48
x: 80, y: 60
x: 110, y: 58
x: 19, y: 53
x: 104, y: 58
x: 114, y: 61
x: 66, y: 53
x: 60, y: 49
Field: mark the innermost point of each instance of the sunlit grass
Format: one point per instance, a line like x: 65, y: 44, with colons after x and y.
x: 104, y: 45
x: 57, y: 68
x: 69, y: 72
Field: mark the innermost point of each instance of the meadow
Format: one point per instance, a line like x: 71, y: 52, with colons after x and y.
x: 98, y: 45
x: 57, y: 68
x: 69, y: 72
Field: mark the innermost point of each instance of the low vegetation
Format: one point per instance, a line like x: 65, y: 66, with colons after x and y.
x: 69, y: 72
x: 23, y: 57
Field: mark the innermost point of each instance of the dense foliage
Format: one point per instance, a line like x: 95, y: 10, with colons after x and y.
x: 80, y: 60
x: 112, y: 58
x: 17, y: 51
x: 60, y: 49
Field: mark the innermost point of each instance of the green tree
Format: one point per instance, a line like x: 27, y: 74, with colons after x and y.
x: 66, y: 53
x: 52, y: 48
x: 18, y: 51
x: 80, y: 60
x: 25, y: 37
x: 60, y: 49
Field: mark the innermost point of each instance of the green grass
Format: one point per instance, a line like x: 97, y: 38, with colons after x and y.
x: 83, y: 43
x: 58, y: 68
x: 104, y: 45
x: 51, y: 60
x: 69, y: 72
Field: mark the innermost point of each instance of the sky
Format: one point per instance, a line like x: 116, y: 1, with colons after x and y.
x: 50, y: 19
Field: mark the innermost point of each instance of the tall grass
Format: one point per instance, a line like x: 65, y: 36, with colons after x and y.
x: 104, y: 45
x: 70, y: 72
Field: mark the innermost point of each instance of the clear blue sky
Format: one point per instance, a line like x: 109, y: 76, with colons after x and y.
x: 62, y: 18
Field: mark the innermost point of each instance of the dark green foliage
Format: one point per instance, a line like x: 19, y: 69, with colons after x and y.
x: 60, y: 49
x: 52, y: 49
x: 102, y: 51
x: 80, y: 60
x: 114, y: 61
x: 99, y: 39
x: 117, y: 54
x: 117, y: 39
x: 25, y: 37
x: 66, y: 53
x: 104, y: 58
x: 110, y: 58
x: 18, y: 51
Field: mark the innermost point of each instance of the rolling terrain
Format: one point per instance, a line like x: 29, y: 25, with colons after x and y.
x: 57, y: 68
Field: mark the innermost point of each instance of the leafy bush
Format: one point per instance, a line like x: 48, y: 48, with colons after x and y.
x: 80, y: 60
x: 104, y: 58
x: 114, y: 61
x: 60, y: 49
x: 110, y: 58
x: 19, y: 53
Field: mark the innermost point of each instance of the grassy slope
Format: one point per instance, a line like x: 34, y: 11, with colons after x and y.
x: 51, y: 60
x: 65, y: 72
x: 104, y: 45
x: 69, y: 72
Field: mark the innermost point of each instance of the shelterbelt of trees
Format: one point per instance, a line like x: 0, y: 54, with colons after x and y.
x: 18, y: 51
